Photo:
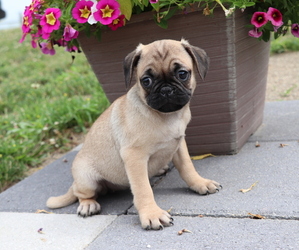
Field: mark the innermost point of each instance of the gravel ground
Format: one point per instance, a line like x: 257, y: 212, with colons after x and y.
x: 283, y: 77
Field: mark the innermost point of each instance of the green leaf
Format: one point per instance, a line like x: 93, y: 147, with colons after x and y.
x: 170, y: 13
x: 163, y: 23
x: 126, y: 8
x: 266, y: 35
x: 156, y: 6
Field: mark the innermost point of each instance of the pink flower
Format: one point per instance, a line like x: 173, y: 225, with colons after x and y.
x: 35, y: 37
x: 108, y: 10
x: 50, y: 20
x: 72, y: 49
x: 35, y: 5
x: 275, y: 16
x: 255, y: 33
x: 118, y: 22
x: 60, y: 42
x: 45, y: 35
x: 47, y: 48
x: 27, y: 20
x: 295, y: 29
x: 70, y: 33
x: 82, y: 11
x: 26, y: 23
x: 153, y: 1
x: 259, y: 19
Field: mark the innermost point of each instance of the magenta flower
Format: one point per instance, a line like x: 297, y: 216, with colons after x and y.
x: 69, y: 33
x: 295, y: 29
x: 50, y: 20
x: 60, y: 42
x: 255, y: 33
x: 35, y: 37
x: 117, y: 23
x: 82, y: 11
x: 45, y: 35
x: 259, y: 19
x: 108, y: 10
x: 47, y: 48
x: 26, y: 23
x: 72, y: 49
x: 153, y: 1
x: 27, y: 20
x: 275, y: 16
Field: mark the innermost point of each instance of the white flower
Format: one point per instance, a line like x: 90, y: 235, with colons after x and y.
x: 93, y: 9
x: 229, y: 11
x: 35, y: 85
x: 52, y: 141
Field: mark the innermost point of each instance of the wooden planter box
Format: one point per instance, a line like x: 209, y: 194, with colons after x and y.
x: 228, y: 106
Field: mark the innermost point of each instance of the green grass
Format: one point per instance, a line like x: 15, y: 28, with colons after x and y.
x: 43, y: 100
x: 283, y: 44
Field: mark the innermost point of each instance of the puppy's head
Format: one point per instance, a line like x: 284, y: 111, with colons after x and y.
x: 165, y: 72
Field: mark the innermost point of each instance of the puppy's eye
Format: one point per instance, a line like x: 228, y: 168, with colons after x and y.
x: 146, y: 81
x: 183, y: 75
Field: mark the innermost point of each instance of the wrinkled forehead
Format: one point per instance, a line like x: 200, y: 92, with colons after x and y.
x: 163, y: 55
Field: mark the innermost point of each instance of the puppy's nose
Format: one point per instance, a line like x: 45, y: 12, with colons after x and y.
x: 167, y: 91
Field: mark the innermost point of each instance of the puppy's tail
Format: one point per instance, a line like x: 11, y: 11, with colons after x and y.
x: 63, y: 200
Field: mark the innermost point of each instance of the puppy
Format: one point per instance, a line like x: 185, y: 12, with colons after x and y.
x: 141, y: 132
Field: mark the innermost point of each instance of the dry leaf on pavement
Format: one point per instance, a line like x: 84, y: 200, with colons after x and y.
x: 40, y: 211
x: 256, y: 216
x: 183, y: 231
x: 248, y: 189
x: 200, y: 157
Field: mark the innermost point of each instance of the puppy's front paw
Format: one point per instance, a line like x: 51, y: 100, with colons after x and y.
x: 155, y: 218
x: 206, y: 186
x: 88, y: 207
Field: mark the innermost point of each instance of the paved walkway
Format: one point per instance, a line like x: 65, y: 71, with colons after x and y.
x: 218, y: 221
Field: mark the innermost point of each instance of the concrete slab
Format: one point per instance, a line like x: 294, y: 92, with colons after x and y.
x: 55, y: 179
x: 280, y: 123
x: 225, y: 223
x: 274, y: 196
x: 207, y: 233
x: 20, y: 230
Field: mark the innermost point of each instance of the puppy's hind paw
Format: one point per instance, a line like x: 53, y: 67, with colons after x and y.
x: 88, y: 207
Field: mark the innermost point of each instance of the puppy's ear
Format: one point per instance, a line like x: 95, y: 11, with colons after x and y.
x: 199, y: 57
x: 130, y: 64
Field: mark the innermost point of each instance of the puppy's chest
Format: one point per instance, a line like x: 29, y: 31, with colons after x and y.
x: 169, y: 137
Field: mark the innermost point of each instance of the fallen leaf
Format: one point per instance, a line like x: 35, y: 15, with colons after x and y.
x: 283, y: 145
x: 183, y: 231
x: 248, y: 189
x: 200, y: 157
x: 39, y: 211
x: 169, y: 210
x: 256, y: 216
